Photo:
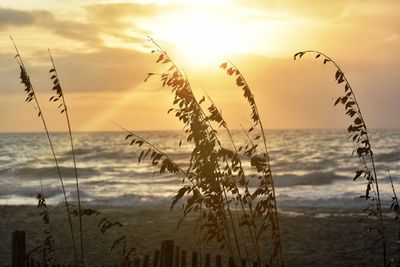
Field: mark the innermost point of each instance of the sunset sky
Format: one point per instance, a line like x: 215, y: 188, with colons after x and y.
x: 102, y: 54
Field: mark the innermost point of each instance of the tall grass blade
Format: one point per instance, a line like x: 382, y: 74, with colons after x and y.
x: 217, y: 172
x: 268, y: 181
x: 358, y: 133
x: 59, y: 95
x: 31, y: 98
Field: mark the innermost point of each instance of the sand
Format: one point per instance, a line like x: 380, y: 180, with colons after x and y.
x: 311, y: 237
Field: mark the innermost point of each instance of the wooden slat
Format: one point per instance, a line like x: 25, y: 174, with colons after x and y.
x: 18, y: 249
x: 156, y: 258
x: 167, y: 253
x: 177, y: 258
x: 183, y: 258
x: 146, y: 261
x: 195, y: 259
x: 231, y: 262
x: 169, y: 256
x: 218, y: 261
x: 208, y: 260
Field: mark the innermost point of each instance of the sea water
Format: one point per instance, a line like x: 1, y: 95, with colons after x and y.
x: 311, y: 168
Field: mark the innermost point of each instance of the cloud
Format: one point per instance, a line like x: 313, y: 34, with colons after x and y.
x: 12, y: 17
x: 84, y: 32
x: 308, y: 8
x: 109, y: 13
x: 99, y: 21
x: 100, y: 68
x: 392, y: 38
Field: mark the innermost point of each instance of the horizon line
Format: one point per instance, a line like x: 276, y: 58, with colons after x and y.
x: 178, y: 130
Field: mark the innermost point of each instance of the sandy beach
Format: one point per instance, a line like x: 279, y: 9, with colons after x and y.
x: 311, y: 237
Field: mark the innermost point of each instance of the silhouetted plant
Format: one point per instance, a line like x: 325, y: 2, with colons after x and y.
x: 266, y: 208
x: 46, y: 246
x: 215, y: 179
x: 31, y: 98
x: 58, y: 97
x: 130, y: 253
x: 358, y: 133
x: 48, y: 240
x: 395, y: 207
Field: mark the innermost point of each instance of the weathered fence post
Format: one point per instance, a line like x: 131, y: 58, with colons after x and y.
x: 208, y: 260
x: 167, y: 253
x: 18, y: 249
x: 218, y: 261
x: 177, y: 256
x: 146, y: 260
x: 156, y: 258
x: 231, y: 262
x: 195, y: 259
x: 183, y: 258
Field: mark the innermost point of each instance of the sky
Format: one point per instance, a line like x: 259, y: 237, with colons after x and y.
x: 102, y: 54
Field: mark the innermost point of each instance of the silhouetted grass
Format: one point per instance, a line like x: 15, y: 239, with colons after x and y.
x: 395, y: 207
x: 58, y: 97
x: 48, y: 240
x: 358, y: 133
x: 266, y: 180
x: 124, y: 240
x: 31, y: 98
x: 215, y: 179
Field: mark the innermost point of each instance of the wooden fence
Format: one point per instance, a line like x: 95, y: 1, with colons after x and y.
x: 169, y: 256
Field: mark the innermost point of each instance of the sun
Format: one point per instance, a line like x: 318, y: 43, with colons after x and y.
x: 202, y: 36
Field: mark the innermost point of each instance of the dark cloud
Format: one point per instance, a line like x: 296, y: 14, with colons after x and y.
x: 102, y: 69
x: 12, y: 17
x: 46, y: 20
x: 100, y: 19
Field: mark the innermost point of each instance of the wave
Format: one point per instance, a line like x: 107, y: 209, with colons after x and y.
x: 315, y: 178
x: 389, y: 157
x: 124, y: 154
x: 132, y: 200
x: 51, y: 172
x: 344, y: 201
x: 49, y: 192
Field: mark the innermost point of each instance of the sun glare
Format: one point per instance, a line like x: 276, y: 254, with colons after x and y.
x: 202, y: 37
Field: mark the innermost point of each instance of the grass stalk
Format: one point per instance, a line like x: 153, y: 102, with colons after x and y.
x: 152, y: 146
x: 359, y: 133
x: 214, y: 168
x: 251, y: 231
x: 241, y: 82
x: 32, y: 97
x: 202, y: 117
x: 65, y: 110
x: 395, y: 206
x: 48, y: 242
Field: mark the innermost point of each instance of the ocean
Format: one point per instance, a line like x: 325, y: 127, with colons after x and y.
x: 311, y: 168
x: 319, y: 204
